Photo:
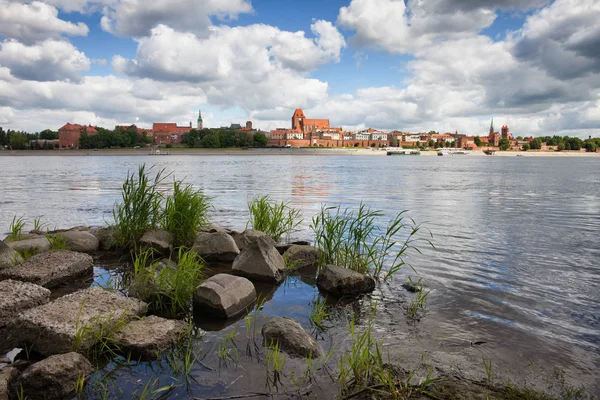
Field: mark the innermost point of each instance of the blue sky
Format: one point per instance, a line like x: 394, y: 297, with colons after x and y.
x: 444, y: 65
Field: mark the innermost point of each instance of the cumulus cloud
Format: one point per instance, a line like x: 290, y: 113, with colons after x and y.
x: 33, y: 21
x: 49, y: 60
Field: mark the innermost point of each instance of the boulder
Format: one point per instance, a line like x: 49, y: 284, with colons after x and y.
x: 36, y: 245
x: 53, y: 378
x: 68, y: 323
x: 212, y: 228
x: 82, y: 241
x: 51, y: 268
x: 16, y: 296
x: 249, y: 235
x: 260, y: 260
x: 161, y: 241
x: 216, y: 246
x: 148, y: 337
x: 144, y: 286
x: 106, y: 238
x: 292, y: 338
x: 341, y: 281
x: 224, y: 296
x: 302, y: 257
x: 8, y: 256
x: 6, y: 375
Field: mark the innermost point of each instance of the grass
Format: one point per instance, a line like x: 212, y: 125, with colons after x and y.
x: 225, y: 351
x: 168, y: 288
x: 27, y: 253
x: 16, y: 228
x: 140, y: 209
x: 57, y: 242
x: 487, y: 366
x: 276, y: 219
x: 184, y: 213
x: 418, y: 303
x: 318, y: 314
x: 354, y: 239
x: 38, y: 225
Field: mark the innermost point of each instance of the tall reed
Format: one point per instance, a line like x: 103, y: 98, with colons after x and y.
x: 185, y: 212
x: 276, y: 219
x: 16, y: 228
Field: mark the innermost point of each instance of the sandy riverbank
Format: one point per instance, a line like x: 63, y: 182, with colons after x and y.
x: 276, y: 151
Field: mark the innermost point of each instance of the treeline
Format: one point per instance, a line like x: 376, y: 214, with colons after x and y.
x: 105, y: 138
x: 223, y: 138
x: 568, y: 143
x: 18, y: 140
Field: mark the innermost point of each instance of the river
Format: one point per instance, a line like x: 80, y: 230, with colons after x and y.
x: 517, y: 239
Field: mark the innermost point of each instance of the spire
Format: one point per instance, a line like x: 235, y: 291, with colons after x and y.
x: 200, y: 124
x: 492, y: 126
x: 199, y: 115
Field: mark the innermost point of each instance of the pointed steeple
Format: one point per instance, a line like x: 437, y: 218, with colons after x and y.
x: 200, y: 124
x: 492, y: 126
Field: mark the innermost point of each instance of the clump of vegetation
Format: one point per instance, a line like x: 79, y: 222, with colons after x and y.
x: 319, y: 314
x: 38, y: 225
x: 168, y: 287
x: 57, y: 242
x: 16, y: 228
x: 418, y: 303
x: 140, y: 209
x: 354, y: 239
x: 184, y: 213
x: 27, y: 253
x: 276, y: 219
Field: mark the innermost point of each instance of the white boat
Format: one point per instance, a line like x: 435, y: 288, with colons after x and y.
x: 452, y: 152
x: 399, y: 151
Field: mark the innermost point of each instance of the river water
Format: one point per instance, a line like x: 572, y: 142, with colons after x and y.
x: 517, y: 241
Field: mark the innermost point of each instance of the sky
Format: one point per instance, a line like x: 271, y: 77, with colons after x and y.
x: 410, y: 65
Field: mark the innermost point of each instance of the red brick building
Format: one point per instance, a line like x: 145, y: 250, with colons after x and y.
x: 68, y: 135
x: 169, y: 132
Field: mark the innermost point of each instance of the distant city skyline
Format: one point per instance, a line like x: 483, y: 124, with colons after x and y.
x: 443, y: 65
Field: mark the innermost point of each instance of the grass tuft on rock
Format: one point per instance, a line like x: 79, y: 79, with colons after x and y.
x: 276, y: 219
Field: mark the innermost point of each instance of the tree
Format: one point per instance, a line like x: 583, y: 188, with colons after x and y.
x: 48, y: 134
x: 536, y: 144
x: 18, y: 141
x: 477, y: 141
x: 260, y: 140
x: 504, y: 144
x: 526, y: 147
x: 590, y: 146
x: 431, y: 143
x: 211, y: 141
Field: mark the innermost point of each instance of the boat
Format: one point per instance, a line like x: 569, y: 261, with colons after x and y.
x: 452, y: 152
x: 489, y: 152
x: 399, y: 151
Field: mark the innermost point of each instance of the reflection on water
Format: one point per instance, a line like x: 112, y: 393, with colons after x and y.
x: 516, y: 239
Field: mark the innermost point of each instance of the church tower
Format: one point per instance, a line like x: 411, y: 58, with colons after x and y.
x: 492, y: 126
x: 200, y: 125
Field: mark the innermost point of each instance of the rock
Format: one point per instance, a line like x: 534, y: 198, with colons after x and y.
x: 53, y: 378
x: 51, y: 268
x: 161, y: 241
x: 17, y: 296
x: 61, y: 325
x: 292, y: 338
x: 211, y: 228
x: 37, y: 245
x: 301, y: 242
x: 148, y: 337
x: 410, y: 287
x: 106, y: 238
x: 82, y: 241
x: 341, y: 281
x: 260, y: 260
x: 8, y: 256
x: 6, y: 375
x: 216, y: 246
x: 301, y: 256
x: 144, y: 286
x: 249, y: 235
x: 283, y: 247
x: 224, y: 296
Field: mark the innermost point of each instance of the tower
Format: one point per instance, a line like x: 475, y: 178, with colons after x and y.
x: 505, y: 132
x: 492, y: 126
x: 298, y: 120
x: 200, y: 119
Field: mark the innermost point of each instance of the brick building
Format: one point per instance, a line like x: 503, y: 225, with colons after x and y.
x: 69, y: 134
x: 169, y: 132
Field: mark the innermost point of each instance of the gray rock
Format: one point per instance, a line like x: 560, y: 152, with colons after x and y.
x: 61, y: 325
x: 106, y: 237
x: 341, y: 281
x: 51, y: 268
x: 225, y: 296
x: 53, y: 378
x: 8, y: 256
x: 17, y: 296
x: 260, y: 260
x: 144, y: 286
x: 161, y: 241
x: 216, y: 246
x: 292, y: 338
x: 249, y: 235
x: 148, y: 337
x: 37, y: 245
x: 82, y: 241
x: 211, y: 228
x: 302, y: 257
x: 6, y: 375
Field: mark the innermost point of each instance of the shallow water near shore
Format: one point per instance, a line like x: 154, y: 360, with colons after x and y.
x: 515, y: 267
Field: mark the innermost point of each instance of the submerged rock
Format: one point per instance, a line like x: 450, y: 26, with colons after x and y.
x: 216, y: 246
x: 51, y: 268
x: 302, y: 257
x: 82, y: 241
x: 341, y: 281
x: 18, y: 296
x: 224, y: 296
x: 260, y: 260
x: 249, y: 235
x: 161, y: 241
x: 148, y: 337
x: 8, y: 256
x: 36, y: 245
x: 292, y: 338
x: 53, y: 378
x: 6, y: 375
x: 69, y: 322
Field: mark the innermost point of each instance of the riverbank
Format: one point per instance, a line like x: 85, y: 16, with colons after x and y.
x: 274, y: 151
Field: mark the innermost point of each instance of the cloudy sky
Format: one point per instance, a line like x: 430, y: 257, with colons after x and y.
x: 413, y: 65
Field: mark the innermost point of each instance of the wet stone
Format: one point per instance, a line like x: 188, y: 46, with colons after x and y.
x: 51, y: 268
x: 36, y: 245
x: 341, y: 281
x: 224, y: 296
x: 82, y: 241
x: 6, y: 375
x: 150, y: 336
x: 68, y: 323
x: 302, y: 257
x: 249, y: 235
x: 16, y: 296
x: 260, y: 260
x: 8, y: 256
x: 217, y: 246
x: 292, y: 338
x: 161, y: 241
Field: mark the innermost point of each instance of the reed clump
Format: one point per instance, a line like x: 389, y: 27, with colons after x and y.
x: 276, y: 219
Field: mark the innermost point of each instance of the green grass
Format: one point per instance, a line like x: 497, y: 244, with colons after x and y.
x: 319, y: 313
x: 417, y: 304
x: 276, y: 219
x: 184, y: 213
x: 28, y: 253
x: 57, y: 242
x: 38, y: 225
x: 354, y: 239
x: 16, y: 228
x: 169, y: 288
x: 140, y: 208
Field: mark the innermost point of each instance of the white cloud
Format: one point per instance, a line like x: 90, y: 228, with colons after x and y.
x: 45, y: 61
x: 35, y: 21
